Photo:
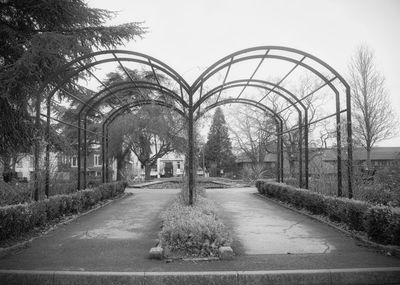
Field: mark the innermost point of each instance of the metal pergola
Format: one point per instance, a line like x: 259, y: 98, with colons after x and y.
x: 208, y: 91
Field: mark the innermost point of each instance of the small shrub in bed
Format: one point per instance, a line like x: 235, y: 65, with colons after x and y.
x: 192, y: 230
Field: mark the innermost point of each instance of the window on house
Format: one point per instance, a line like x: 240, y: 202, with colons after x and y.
x: 97, y: 161
x: 74, y: 161
x: 178, y: 165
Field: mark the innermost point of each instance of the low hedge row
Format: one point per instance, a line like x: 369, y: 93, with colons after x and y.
x: 19, y: 219
x: 381, y: 223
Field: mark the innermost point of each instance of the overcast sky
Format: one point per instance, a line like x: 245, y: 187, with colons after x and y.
x: 191, y: 35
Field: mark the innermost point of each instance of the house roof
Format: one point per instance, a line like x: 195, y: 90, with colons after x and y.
x: 377, y: 153
x: 269, y: 157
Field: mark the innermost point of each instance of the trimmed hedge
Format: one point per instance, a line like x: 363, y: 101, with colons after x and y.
x: 19, y: 219
x: 381, y: 223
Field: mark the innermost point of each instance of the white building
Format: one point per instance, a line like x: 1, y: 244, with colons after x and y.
x: 170, y: 165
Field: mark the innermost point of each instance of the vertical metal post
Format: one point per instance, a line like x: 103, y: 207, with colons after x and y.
x: 191, y: 173
x: 339, y: 147
x: 103, y: 158
x: 47, y: 161
x: 79, y: 152
x: 37, y: 150
x: 278, y: 171
x: 300, y: 152
x: 306, y: 162
x: 107, y: 160
x: 281, y: 149
x: 349, y: 144
x: 84, y: 151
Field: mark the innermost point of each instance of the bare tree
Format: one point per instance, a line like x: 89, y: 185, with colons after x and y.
x: 302, y: 88
x: 253, y: 136
x: 255, y: 132
x: 373, y: 117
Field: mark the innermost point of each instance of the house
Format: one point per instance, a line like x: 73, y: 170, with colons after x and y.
x: 267, y: 165
x: 170, y: 165
x: 64, y: 166
x: 323, y: 161
x: 381, y: 157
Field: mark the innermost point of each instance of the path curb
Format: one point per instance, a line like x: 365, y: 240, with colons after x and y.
x: 368, y: 276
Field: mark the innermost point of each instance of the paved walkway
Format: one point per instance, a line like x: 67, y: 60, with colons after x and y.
x: 268, y: 234
x: 117, y: 237
x: 267, y: 237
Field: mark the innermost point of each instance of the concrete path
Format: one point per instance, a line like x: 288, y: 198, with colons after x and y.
x: 118, y: 237
x: 264, y: 230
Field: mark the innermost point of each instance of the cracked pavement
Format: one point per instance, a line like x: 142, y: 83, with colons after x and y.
x: 263, y: 227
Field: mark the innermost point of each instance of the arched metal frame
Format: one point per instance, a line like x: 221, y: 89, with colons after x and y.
x: 184, y: 100
x: 115, y: 114
x: 268, y: 111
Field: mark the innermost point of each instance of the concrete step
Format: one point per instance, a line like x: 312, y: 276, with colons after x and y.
x: 368, y: 276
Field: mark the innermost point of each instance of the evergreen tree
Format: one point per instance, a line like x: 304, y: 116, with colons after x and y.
x: 218, y: 150
x: 37, y: 37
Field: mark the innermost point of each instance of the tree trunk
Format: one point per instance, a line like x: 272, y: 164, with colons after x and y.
x: 120, y: 167
x: 369, y: 158
x: 121, y: 163
x: 7, y: 168
x: 147, y: 170
x: 292, y: 168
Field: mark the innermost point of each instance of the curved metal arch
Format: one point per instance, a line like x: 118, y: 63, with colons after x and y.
x: 117, y: 113
x: 149, y: 60
x: 246, y: 83
x: 297, y: 62
x: 127, y: 85
x: 92, y: 64
x: 190, y: 90
x: 213, y: 68
x: 278, y: 121
x: 239, y: 101
x: 249, y: 83
x: 163, y: 67
x: 230, y: 60
x: 283, y: 58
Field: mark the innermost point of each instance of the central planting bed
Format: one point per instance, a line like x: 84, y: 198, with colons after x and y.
x: 177, y: 183
x: 192, y: 231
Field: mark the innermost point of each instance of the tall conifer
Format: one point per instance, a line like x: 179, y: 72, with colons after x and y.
x: 218, y: 149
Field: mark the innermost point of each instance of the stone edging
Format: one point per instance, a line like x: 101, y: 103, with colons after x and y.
x: 390, y: 250
x: 8, y: 250
x: 368, y: 276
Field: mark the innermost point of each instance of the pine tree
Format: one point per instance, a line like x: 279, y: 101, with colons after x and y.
x: 218, y: 150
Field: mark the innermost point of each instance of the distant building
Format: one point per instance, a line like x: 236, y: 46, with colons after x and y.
x: 170, y: 165
x: 324, y: 160
x: 63, y: 166
x: 381, y: 157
